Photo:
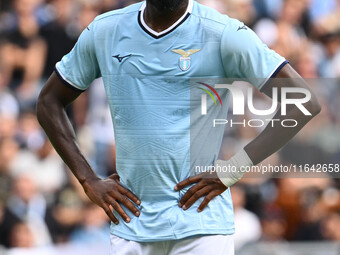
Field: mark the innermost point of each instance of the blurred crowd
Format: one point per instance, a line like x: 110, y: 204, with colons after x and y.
x: 42, y: 204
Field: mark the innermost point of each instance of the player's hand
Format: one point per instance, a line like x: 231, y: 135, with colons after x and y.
x: 109, y: 193
x: 207, y: 184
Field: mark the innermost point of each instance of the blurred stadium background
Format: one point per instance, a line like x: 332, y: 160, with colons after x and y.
x: 44, y: 211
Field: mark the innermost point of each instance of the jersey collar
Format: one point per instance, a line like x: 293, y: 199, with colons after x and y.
x: 157, y: 35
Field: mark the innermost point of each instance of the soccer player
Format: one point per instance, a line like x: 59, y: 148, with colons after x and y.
x: 147, y: 54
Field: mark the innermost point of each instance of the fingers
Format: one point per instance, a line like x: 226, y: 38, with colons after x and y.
x: 191, y: 192
x: 116, y: 206
x: 110, y: 193
x: 210, y: 188
x: 125, y: 201
x: 109, y: 213
x: 130, y: 195
x: 186, y: 182
x: 195, y: 196
x: 207, y: 199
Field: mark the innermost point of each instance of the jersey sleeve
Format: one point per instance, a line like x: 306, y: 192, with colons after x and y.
x: 246, y: 57
x: 80, y: 66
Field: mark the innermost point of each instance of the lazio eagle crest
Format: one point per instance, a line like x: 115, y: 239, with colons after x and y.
x: 185, y: 60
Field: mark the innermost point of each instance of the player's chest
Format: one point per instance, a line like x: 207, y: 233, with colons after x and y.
x: 163, y: 58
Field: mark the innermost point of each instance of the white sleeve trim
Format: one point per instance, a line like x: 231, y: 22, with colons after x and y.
x: 271, y: 74
x: 65, y: 79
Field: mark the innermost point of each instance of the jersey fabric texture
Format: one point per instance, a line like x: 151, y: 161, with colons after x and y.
x: 147, y: 81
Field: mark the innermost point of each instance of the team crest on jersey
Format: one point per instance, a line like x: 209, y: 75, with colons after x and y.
x: 185, y: 59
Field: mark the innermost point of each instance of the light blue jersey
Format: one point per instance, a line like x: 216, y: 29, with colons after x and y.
x: 147, y: 80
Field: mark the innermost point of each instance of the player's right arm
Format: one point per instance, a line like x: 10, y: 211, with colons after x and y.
x: 106, y: 193
x: 73, y: 75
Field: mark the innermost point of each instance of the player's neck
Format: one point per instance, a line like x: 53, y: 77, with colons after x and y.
x: 159, y: 19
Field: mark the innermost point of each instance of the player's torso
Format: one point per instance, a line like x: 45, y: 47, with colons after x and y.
x: 127, y: 46
x: 147, y: 81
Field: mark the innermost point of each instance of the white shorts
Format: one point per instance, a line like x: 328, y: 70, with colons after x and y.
x: 201, y: 245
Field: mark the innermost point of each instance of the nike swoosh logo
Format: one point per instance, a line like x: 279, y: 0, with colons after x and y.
x: 120, y: 59
x: 244, y: 27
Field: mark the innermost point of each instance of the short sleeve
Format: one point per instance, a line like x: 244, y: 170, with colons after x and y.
x: 246, y: 57
x: 80, y: 67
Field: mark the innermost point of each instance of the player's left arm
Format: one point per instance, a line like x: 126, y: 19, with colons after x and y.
x: 271, y: 139
x: 240, y: 48
x: 275, y: 137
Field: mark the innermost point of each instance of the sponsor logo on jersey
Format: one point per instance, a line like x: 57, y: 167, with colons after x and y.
x: 120, y: 59
x: 242, y: 28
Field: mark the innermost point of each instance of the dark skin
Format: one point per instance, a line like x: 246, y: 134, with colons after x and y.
x: 108, y: 193
x: 158, y: 18
x: 210, y: 186
x: 55, y: 97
